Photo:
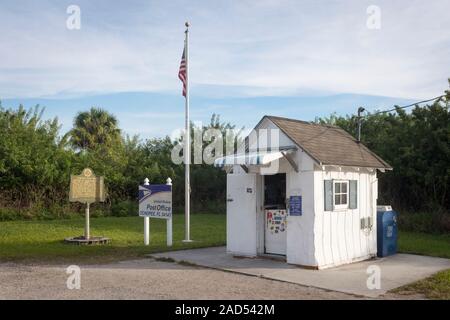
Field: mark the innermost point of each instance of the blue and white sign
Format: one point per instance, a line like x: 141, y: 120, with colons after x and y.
x: 295, y: 205
x: 155, y: 201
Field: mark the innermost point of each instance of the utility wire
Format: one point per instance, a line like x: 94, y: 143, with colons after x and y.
x: 407, y: 106
x: 361, y: 109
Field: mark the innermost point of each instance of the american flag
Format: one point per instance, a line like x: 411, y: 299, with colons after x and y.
x: 182, y: 74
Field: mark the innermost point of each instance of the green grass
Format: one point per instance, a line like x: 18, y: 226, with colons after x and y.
x: 436, y: 245
x: 42, y: 241
x: 434, y: 287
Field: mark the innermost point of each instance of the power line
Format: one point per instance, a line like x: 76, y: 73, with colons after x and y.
x: 407, y: 106
x: 361, y: 110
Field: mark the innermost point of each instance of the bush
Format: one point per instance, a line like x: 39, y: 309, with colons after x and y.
x: 427, y: 222
x: 41, y: 212
x: 53, y: 211
x: 7, y: 214
x: 124, y: 209
x: 98, y: 212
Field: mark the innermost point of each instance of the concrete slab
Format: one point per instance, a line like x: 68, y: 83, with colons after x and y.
x: 396, y: 270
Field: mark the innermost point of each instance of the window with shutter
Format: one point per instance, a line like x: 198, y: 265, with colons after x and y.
x: 340, y: 194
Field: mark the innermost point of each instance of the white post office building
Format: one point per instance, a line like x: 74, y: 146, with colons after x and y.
x: 307, y: 193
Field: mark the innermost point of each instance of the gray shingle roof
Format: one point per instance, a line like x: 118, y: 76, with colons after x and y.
x: 329, y: 145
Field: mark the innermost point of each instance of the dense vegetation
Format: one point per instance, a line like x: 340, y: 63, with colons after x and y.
x: 36, y: 163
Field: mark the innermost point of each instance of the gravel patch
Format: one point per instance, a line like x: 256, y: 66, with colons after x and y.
x: 147, y: 279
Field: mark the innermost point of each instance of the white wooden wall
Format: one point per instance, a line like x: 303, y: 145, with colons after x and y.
x: 338, y: 235
x: 300, y: 229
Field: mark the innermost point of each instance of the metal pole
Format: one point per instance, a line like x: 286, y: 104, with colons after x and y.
x: 187, y: 146
x: 169, y: 221
x: 86, y: 227
x: 146, y: 221
x: 360, y: 110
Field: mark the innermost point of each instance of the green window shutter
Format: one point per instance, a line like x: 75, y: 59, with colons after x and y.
x: 353, y: 196
x: 328, y: 195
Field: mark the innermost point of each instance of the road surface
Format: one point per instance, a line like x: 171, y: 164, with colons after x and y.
x: 146, y: 279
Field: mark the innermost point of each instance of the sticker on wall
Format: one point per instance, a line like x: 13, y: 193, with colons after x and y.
x: 276, y: 221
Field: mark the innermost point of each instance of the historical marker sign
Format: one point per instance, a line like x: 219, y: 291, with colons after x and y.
x: 86, y: 188
x: 155, y: 201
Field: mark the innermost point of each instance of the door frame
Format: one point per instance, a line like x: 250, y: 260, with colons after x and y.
x: 261, y: 218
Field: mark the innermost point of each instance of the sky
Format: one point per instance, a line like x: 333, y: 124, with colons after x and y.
x: 294, y: 58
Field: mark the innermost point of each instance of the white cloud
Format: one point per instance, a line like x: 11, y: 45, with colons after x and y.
x: 246, y: 48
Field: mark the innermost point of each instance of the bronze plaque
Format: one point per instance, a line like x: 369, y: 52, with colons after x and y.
x: 86, y: 188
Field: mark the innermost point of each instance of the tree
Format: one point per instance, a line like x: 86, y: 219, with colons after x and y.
x: 34, y: 166
x: 95, y: 128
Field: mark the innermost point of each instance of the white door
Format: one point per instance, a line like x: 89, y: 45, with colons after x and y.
x: 275, y: 231
x: 241, y: 213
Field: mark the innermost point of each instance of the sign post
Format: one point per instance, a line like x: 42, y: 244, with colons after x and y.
x: 146, y: 221
x: 169, y: 221
x: 155, y: 201
x: 87, y: 234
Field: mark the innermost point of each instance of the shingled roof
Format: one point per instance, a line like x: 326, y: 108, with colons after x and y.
x: 328, y: 145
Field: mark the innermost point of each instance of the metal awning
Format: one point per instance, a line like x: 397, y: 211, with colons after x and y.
x: 255, y: 158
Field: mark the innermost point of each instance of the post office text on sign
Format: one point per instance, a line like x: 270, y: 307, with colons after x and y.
x: 155, y: 201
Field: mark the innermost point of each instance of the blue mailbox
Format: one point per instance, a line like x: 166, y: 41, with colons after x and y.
x: 387, y: 231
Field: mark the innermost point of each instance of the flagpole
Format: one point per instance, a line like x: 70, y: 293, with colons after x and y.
x: 187, y: 146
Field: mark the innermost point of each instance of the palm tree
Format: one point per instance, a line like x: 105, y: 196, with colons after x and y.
x: 94, y: 128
